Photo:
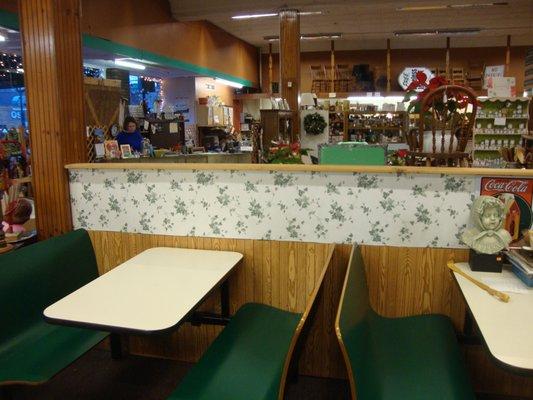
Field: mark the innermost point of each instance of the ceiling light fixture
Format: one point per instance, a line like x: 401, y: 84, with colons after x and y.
x: 249, y: 16
x: 129, y: 64
x: 310, y: 13
x: 452, y: 6
x: 434, y: 32
x: 229, y: 83
x: 267, y: 15
x: 308, y: 36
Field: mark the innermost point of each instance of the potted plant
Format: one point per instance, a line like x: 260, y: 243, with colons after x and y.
x: 285, y: 153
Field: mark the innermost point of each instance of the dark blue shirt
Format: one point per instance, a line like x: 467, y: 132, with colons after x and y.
x: 135, y: 140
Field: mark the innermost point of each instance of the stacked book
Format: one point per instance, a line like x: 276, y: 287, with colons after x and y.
x: 522, y: 262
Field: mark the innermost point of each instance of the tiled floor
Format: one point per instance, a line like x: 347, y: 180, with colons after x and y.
x: 95, y: 376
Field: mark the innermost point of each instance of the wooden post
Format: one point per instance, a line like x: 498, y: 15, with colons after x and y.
x: 237, y: 111
x: 447, y: 68
x: 51, y: 44
x: 270, y: 65
x: 388, y: 66
x: 289, y: 62
x: 332, y: 66
x: 508, y: 56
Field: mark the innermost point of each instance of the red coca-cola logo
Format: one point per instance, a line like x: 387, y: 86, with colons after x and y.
x: 512, y: 186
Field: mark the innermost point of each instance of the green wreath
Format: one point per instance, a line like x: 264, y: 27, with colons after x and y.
x: 314, y: 124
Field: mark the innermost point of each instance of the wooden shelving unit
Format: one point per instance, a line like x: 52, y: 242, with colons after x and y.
x: 376, y: 126
x: 277, y: 124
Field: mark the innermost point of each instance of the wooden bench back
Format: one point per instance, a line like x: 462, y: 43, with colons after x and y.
x: 36, y: 276
x: 305, y: 322
x: 354, y: 308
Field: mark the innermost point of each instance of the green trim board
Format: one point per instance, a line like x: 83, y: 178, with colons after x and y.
x: 10, y: 20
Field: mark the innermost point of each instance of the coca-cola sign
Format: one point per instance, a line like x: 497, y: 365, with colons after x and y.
x: 516, y: 194
x: 517, y: 186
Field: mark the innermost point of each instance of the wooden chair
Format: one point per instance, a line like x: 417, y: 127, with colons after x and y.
x: 415, y: 358
x: 253, y: 355
x: 319, y: 79
x: 442, y: 133
x: 344, y: 79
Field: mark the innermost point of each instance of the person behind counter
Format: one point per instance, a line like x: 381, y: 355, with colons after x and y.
x: 131, y: 135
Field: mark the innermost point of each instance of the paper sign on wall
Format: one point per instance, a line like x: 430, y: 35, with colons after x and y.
x: 501, y: 86
x: 492, y: 71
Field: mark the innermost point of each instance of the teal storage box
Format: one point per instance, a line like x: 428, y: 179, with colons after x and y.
x: 352, y: 153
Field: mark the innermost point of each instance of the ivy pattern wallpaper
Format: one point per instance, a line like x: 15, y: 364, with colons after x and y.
x: 401, y: 209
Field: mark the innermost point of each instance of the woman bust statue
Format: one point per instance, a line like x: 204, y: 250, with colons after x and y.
x: 487, y: 236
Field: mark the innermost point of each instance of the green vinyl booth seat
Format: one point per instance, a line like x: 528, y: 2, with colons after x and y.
x: 250, y: 358
x: 32, y: 278
x: 415, y: 358
x: 245, y: 362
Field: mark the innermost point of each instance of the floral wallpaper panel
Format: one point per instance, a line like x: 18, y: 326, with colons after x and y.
x: 400, y: 210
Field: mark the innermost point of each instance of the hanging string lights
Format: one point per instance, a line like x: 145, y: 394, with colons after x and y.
x: 10, y: 63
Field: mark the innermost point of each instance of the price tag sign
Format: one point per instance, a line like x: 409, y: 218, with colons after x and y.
x: 500, y: 121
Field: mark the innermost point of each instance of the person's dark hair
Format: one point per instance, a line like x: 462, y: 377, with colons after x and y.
x: 127, y: 120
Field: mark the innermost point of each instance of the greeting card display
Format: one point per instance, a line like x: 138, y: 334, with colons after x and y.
x: 125, y: 149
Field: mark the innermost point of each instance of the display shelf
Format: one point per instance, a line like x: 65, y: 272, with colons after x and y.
x: 498, y: 134
x: 337, y: 124
x: 489, y: 138
x: 481, y: 118
x: 376, y: 126
x: 492, y: 150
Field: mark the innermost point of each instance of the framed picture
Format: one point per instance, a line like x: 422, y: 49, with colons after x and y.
x: 111, y: 149
x: 125, y: 149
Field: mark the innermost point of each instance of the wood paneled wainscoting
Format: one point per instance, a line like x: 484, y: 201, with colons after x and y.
x: 402, y: 281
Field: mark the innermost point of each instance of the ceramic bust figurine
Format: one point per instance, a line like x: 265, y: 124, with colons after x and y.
x: 487, y: 235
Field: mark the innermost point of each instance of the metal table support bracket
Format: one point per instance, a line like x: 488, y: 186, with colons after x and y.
x: 199, y: 317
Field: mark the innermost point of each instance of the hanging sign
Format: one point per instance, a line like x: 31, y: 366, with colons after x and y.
x: 408, y: 75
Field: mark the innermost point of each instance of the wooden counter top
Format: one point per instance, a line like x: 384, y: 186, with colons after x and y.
x: 314, y: 168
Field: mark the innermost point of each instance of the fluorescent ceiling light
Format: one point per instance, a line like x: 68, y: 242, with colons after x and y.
x: 310, y: 13
x: 433, y: 32
x: 452, y: 6
x: 229, y: 83
x: 308, y: 36
x: 2, y: 38
x: 130, y: 64
x: 314, y: 36
x: 249, y: 16
x: 266, y: 15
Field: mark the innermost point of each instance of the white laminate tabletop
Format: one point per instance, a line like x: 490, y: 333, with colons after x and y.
x: 507, y: 328
x: 151, y: 292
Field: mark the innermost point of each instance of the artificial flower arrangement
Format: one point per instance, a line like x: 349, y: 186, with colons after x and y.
x: 399, y: 157
x: 286, y: 153
x: 452, y: 100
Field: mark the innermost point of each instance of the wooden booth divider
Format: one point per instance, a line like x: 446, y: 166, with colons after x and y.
x: 402, y: 281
